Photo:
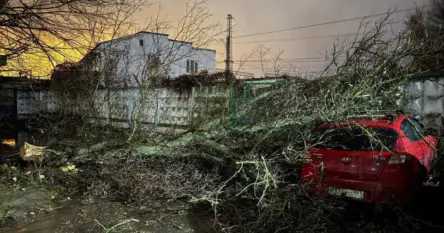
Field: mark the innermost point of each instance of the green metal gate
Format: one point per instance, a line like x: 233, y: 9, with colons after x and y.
x: 242, y: 94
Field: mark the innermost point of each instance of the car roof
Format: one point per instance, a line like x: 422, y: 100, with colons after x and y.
x: 372, y: 122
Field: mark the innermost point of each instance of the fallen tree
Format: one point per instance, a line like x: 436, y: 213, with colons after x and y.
x: 247, y: 174
x: 363, y: 78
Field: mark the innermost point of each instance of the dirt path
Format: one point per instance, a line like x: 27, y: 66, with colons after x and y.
x: 49, y: 223
x: 98, y: 217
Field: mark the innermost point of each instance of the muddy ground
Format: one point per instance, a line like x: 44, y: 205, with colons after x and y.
x: 106, y: 216
x: 43, y: 200
x: 118, y: 190
x: 42, y: 209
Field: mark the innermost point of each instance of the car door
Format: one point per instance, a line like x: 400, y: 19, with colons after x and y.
x: 414, y: 143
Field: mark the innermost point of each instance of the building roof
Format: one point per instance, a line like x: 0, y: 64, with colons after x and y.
x: 132, y: 35
x: 118, y: 39
x: 180, y: 41
x: 211, y: 50
x: 142, y: 32
x: 185, y: 42
x: 154, y: 33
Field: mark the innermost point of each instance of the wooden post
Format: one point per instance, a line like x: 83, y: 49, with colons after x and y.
x: 156, y: 114
x: 191, y: 106
x: 108, y: 100
x: 423, y: 98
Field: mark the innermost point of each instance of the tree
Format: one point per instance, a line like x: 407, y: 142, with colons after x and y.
x: 56, y: 30
x: 436, y: 15
x: 426, y: 33
x: 88, y: 88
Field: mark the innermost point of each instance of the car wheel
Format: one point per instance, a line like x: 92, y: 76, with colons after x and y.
x: 422, y: 174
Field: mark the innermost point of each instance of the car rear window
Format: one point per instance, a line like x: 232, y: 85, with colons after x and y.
x: 354, y: 138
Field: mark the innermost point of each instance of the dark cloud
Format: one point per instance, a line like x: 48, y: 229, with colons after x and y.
x: 253, y: 16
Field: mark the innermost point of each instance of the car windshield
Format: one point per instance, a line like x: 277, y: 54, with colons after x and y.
x: 354, y: 138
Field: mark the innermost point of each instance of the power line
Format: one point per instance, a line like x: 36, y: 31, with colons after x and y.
x: 283, y: 67
x: 242, y: 28
x: 325, y: 23
x: 302, y: 59
x: 298, y: 38
x: 281, y: 60
x: 293, y: 59
x: 291, y: 67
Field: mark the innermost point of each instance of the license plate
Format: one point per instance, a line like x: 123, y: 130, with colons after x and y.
x: 356, y: 194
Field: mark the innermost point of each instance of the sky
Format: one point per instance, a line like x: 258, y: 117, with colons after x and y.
x: 256, y: 16
x: 301, y: 51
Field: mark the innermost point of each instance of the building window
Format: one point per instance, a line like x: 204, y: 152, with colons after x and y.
x: 192, y: 67
x: 141, y: 42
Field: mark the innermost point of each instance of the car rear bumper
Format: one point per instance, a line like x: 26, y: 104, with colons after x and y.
x: 374, y: 191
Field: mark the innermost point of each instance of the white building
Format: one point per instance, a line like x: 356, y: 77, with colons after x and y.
x: 133, y: 59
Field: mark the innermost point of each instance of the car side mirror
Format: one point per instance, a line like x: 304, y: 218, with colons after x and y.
x: 431, y: 140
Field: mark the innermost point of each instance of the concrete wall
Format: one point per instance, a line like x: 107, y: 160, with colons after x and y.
x: 426, y: 98
x: 166, y: 107
x: 119, y: 107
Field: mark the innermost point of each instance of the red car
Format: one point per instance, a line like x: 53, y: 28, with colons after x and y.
x: 382, y: 158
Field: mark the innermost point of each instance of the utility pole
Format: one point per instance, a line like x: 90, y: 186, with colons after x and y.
x: 229, y: 48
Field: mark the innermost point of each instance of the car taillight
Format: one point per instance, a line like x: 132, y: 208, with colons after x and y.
x: 399, y: 163
x: 397, y: 159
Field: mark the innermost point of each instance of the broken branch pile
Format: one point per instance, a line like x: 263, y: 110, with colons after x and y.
x: 248, y: 174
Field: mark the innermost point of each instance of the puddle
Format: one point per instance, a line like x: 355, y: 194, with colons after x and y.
x: 50, y: 222
x: 77, y: 217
